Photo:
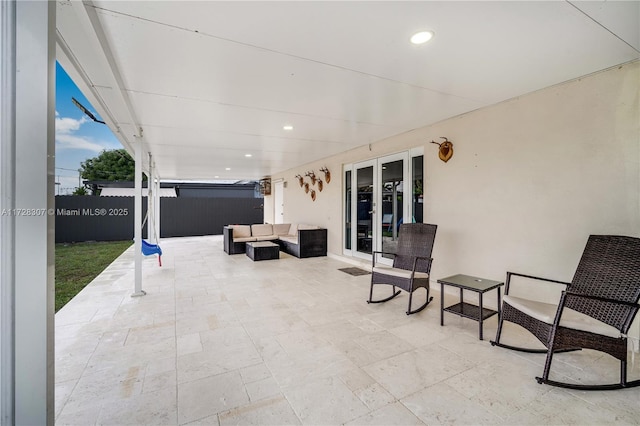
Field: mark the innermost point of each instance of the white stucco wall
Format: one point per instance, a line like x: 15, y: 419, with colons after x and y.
x: 530, y: 179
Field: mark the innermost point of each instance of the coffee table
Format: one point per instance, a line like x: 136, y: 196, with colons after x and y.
x: 467, y: 310
x: 263, y: 250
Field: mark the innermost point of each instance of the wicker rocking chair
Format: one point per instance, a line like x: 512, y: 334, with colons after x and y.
x: 411, y: 264
x: 595, y: 310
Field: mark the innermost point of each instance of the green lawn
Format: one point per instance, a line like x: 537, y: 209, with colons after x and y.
x: 78, y: 264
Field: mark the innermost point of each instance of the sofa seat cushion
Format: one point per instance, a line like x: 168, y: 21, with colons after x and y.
x: 240, y: 231
x: 546, y: 312
x: 397, y: 272
x: 243, y: 239
x: 293, y: 239
x: 281, y: 228
x: 261, y: 229
x: 266, y: 237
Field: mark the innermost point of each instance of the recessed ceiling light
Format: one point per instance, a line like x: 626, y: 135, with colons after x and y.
x: 216, y: 176
x: 421, y: 37
x: 247, y: 155
x: 228, y: 168
x: 287, y: 127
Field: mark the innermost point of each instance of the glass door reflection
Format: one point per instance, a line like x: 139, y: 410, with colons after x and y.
x: 364, y: 210
x: 392, y: 206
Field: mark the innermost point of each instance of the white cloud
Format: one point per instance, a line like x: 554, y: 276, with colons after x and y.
x: 66, y: 125
x: 69, y: 141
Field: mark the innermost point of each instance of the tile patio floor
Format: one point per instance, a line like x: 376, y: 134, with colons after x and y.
x: 223, y: 340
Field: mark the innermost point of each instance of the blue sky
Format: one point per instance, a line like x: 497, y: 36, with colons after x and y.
x: 77, y: 136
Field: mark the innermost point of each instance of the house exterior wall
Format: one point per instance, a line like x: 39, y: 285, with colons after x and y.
x: 529, y: 180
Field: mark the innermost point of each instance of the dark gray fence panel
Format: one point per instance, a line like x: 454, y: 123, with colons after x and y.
x: 181, y: 217
x: 86, y: 218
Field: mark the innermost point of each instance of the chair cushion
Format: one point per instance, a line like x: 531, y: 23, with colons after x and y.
x: 397, y: 272
x: 261, y: 230
x: 266, y: 237
x: 293, y: 239
x: 243, y: 239
x: 241, y: 231
x: 281, y: 228
x: 546, y: 312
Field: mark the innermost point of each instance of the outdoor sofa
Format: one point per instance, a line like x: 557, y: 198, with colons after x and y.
x: 297, y: 240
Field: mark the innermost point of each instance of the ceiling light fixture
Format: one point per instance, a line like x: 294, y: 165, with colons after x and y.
x: 228, y: 168
x: 287, y: 127
x: 421, y: 37
x: 247, y: 155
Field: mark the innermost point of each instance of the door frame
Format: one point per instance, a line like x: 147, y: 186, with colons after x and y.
x: 376, y: 216
x: 354, y: 209
x: 278, y: 201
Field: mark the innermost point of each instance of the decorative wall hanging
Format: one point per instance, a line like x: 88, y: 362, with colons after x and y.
x: 312, y: 176
x: 265, y: 186
x: 314, y: 179
x: 327, y: 174
x: 446, y: 149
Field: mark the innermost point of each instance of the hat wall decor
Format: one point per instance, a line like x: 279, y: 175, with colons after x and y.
x: 446, y: 149
x: 300, y: 180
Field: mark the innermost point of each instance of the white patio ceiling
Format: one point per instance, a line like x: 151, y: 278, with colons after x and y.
x: 209, y: 82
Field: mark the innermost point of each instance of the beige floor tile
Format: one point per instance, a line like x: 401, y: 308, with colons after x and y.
x: 325, y: 401
x: 202, y: 398
x: 262, y: 389
x: 153, y: 408
x: 391, y: 414
x: 273, y: 411
x: 374, y: 396
x: 412, y: 371
x: 255, y: 373
x: 189, y: 343
x: 440, y: 404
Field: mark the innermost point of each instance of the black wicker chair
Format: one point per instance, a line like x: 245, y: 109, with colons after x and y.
x: 411, y: 263
x: 595, y: 310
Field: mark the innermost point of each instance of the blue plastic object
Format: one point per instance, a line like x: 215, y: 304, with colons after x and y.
x: 151, y: 249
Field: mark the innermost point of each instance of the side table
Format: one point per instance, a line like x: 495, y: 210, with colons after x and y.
x: 262, y: 250
x: 467, y: 310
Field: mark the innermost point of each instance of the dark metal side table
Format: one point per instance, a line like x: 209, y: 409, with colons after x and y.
x: 467, y: 310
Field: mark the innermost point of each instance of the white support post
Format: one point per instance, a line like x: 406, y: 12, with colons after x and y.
x: 27, y: 269
x: 156, y: 194
x: 7, y: 203
x: 137, y: 219
x: 151, y: 202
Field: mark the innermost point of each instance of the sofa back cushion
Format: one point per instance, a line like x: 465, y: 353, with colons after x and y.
x: 260, y: 229
x: 241, y: 231
x: 281, y: 228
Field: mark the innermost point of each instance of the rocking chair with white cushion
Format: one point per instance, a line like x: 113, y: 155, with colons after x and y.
x: 595, y: 310
x: 411, y: 264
